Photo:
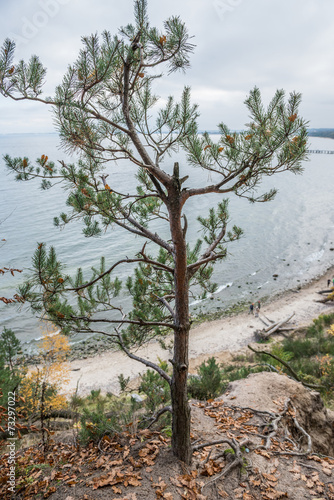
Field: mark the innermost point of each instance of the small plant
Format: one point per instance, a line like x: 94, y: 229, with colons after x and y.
x: 155, y: 388
x: 76, y: 401
x: 208, y: 382
x: 10, y: 373
x: 95, y: 394
x: 232, y: 373
x: 10, y: 347
x: 41, y: 387
x: 279, y: 351
x: 300, y: 347
x: 123, y: 382
x: 327, y: 370
x: 95, y: 423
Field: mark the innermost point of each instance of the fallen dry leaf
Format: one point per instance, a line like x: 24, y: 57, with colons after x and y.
x: 116, y: 490
x: 167, y: 496
x: 326, y: 471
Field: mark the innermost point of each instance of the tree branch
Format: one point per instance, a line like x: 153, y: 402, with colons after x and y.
x: 123, y: 321
x: 127, y: 261
x: 158, y: 414
x: 147, y: 363
x: 288, y: 367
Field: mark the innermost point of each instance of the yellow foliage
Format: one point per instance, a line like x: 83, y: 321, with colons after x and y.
x: 331, y: 330
x: 49, y: 377
x: 326, y: 365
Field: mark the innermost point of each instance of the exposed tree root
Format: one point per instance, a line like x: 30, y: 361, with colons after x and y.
x: 238, y: 460
x: 301, y: 430
x: 272, y: 425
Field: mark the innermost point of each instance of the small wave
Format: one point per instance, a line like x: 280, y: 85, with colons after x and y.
x: 37, y: 339
x: 219, y: 289
x: 198, y: 301
x: 222, y: 287
x: 263, y: 284
x: 314, y: 256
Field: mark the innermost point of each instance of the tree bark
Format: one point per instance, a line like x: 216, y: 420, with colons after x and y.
x: 181, y: 445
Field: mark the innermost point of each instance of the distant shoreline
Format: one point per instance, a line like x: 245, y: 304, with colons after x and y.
x: 312, y: 132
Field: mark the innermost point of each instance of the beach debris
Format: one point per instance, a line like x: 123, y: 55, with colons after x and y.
x: 330, y: 295
x: 269, y: 330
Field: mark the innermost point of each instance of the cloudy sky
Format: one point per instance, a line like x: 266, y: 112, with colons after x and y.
x: 239, y: 44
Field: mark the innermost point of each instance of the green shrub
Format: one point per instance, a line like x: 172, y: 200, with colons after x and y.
x: 76, y: 401
x: 123, y: 382
x: 300, y: 347
x: 307, y: 366
x: 95, y: 424
x: 155, y: 388
x: 10, y: 347
x: 328, y: 346
x: 208, y: 383
x: 327, y: 319
x: 10, y: 373
x: 233, y: 373
x: 95, y: 394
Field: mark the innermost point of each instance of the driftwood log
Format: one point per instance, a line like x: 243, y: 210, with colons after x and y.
x: 329, y: 290
x: 330, y: 296
x: 269, y: 330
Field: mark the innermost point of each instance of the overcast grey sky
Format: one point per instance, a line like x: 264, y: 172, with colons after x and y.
x: 239, y: 44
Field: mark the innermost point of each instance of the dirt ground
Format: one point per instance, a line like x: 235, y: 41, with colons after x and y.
x: 276, y: 436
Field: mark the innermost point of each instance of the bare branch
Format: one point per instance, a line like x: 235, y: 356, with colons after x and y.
x: 288, y: 367
x: 166, y: 304
x: 146, y: 362
x: 123, y: 321
x: 158, y: 414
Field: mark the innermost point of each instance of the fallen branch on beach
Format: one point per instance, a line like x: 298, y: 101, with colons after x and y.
x: 329, y: 290
x: 266, y: 332
x: 329, y: 298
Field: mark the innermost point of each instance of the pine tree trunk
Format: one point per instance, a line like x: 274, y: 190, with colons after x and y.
x: 181, y: 445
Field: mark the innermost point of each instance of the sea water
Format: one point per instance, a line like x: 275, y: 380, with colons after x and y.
x: 291, y: 236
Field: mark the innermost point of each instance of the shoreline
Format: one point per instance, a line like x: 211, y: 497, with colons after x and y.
x: 219, y: 338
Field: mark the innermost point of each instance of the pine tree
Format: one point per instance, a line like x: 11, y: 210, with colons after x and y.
x: 103, y: 112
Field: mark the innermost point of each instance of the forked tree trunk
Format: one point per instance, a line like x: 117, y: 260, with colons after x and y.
x: 181, y: 445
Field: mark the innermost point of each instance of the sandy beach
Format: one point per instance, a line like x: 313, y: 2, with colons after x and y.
x: 220, y: 338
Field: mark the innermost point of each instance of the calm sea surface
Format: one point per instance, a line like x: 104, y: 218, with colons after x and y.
x: 291, y: 236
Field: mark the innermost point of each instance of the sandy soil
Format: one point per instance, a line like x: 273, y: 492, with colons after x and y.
x: 218, y: 338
